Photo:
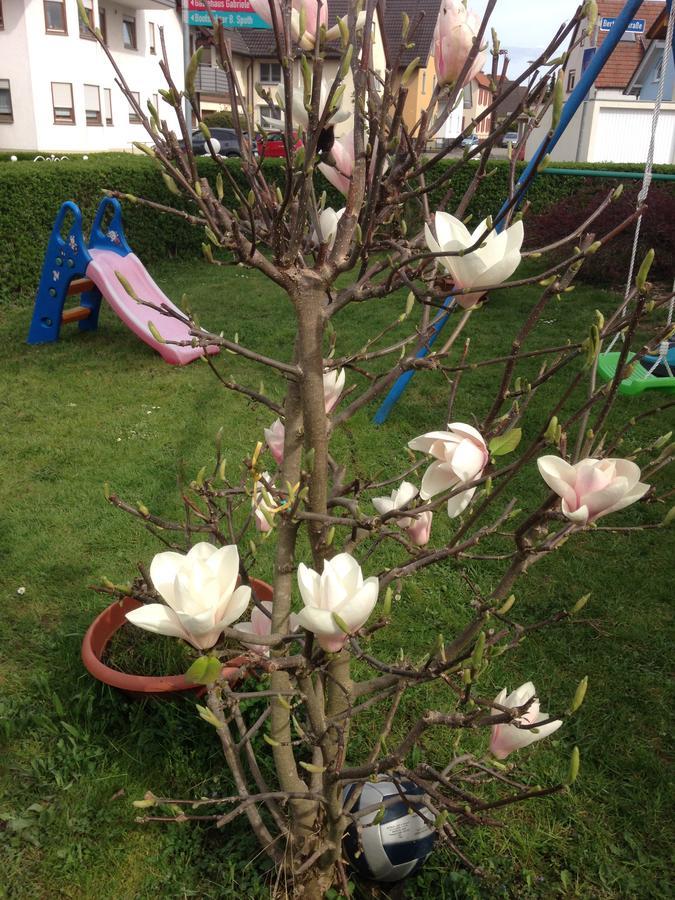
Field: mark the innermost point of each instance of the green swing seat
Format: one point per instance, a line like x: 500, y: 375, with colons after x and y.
x: 639, y: 379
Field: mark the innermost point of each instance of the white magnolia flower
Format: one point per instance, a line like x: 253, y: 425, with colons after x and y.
x: 461, y: 455
x: 592, y: 488
x: 507, y: 738
x: 328, y: 223
x: 400, y: 497
x: 201, y: 593
x: 339, y: 589
x: 495, y: 260
x: 333, y: 385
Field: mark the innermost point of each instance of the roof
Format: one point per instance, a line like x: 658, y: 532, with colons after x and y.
x: 483, y: 80
x: 513, y: 101
x: 259, y: 43
x: 423, y: 17
x: 623, y: 62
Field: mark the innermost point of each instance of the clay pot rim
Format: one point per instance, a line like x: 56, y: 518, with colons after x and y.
x: 109, y: 622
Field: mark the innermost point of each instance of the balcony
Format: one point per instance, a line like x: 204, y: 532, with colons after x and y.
x: 210, y: 80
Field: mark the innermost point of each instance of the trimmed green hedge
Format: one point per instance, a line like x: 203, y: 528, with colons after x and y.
x: 31, y: 193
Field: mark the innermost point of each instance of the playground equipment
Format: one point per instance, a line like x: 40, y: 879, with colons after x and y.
x: 572, y: 105
x: 91, y: 271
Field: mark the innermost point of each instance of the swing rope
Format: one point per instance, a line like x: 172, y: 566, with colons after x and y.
x: 646, y: 184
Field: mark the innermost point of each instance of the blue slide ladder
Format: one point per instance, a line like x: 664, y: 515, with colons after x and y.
x: 572, y: 105
x: 64, y: 271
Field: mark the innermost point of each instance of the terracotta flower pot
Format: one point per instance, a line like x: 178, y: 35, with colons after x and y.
x: 113, y: 618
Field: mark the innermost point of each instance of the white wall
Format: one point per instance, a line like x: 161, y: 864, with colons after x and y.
x: 72, y: 59
x: 13, y: 55
x: 606, y: 130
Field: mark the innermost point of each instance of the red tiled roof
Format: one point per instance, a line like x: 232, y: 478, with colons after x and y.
x: 625, y: 59
x: 482, y: 80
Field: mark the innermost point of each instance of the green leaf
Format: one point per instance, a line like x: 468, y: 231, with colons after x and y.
x: 506, y: 443
x: 206, y: 714
x: 574, y: 767
x: 204, y: 670
x: 579, y: 694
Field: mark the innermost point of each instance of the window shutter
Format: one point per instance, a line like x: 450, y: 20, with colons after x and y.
x: 92, y: 99
x: 62, y: 94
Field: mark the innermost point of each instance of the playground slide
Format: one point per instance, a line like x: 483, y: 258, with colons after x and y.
x: 102, y: 271
x: 73, y: 267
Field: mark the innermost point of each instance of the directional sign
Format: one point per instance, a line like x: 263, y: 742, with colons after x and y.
x: 232, y: 13
x: 637, y: 26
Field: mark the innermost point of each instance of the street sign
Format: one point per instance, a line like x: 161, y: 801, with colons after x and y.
x: 232, y: 13
x: 637, y: 26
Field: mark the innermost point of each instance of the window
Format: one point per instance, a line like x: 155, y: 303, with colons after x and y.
x: 129, y: 33
x: 89, y: 9
x: 2, y: 18
x: 657, y: 72
x: 269, y: 115
x: 424, y: 82
x: 102, y: 24
x: 62, y: 101
x: 5, y: 102
x: 571, y: 80
x: 55, y: 17
x: 92, y: 104
x: 134, y: 118
x: 152, y: 40
x: 107, y: 101
x: 270, y: 73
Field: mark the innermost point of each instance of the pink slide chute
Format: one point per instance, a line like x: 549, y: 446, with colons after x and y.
x: 102, y: 271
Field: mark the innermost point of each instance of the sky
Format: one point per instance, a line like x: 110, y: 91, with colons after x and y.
x: 526, y: 26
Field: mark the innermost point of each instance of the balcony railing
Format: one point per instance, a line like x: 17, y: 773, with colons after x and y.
x: 210, y: 80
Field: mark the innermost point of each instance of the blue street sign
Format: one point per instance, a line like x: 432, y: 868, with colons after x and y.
x: 636, y: 26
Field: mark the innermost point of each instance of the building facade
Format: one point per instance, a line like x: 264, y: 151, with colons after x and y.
x: 57, y: 87
x: 613, y: 123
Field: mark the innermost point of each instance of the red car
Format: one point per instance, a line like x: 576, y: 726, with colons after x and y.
x: 273, y: 145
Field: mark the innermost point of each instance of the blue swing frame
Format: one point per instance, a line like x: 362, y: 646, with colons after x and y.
x: 570, y: 108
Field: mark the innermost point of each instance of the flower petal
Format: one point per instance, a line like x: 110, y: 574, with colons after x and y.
x: 157, y: 618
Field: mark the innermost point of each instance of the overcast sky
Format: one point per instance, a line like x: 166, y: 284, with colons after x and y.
x: 526, y: 26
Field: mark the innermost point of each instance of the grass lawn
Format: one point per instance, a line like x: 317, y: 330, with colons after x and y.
x: 103, y: 407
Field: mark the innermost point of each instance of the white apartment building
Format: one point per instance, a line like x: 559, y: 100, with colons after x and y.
x: 57, y: 87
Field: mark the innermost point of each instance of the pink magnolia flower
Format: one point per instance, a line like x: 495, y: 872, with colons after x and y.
x: 333, y: 386
x: 508, y: 737
x: 461, y: 455
x: 340, y: 589
x: 419, y: 530
x: 456, y: 31
x: 314, y: 17
x: 400, y: 497
x: 340, y: 175
x: 592, y: 487
x: 260, y: 505
x: 260, y: 624
x: 274, y: 437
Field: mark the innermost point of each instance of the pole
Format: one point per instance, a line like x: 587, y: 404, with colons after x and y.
x: 574, y: 101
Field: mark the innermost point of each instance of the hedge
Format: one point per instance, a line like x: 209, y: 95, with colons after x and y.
x: 31, y: 193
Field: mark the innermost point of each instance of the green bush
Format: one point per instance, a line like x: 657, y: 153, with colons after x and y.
x: 31, y: 194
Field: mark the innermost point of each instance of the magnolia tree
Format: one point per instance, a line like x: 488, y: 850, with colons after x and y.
x: 326, y: 525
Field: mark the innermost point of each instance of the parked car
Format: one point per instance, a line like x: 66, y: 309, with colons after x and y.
x: 226, y: 137
x: 273, y: 144
x: 471, y: 141
x: 511, y: 137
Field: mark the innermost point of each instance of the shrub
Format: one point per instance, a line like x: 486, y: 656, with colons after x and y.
x: 31, y: 194
x: 610, y: 265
